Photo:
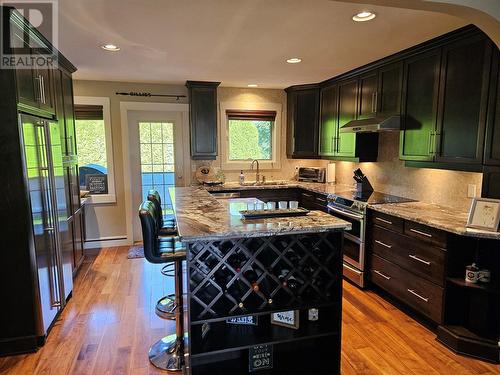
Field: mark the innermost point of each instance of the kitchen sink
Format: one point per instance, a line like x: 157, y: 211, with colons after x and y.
x: 266, y: 183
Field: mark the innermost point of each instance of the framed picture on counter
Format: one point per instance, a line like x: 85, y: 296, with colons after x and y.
x: 484, y: 214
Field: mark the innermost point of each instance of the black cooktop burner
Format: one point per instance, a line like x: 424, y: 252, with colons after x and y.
x: 373, y: 197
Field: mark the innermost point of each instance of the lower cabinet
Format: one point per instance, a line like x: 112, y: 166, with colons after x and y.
x: 313, y: 201
x: 408, y: 261
x: 78, y: 239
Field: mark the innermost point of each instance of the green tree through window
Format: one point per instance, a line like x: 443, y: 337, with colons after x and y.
x: 250, y: 139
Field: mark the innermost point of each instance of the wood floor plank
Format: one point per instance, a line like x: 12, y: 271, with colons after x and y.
x: 109, y: 325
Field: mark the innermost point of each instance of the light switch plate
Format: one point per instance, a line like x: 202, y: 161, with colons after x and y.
x: 471, y: 191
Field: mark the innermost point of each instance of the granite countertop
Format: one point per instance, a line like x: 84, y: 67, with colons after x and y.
x: 200, y: 216
x: 315, y: 187
x: 440, y: 217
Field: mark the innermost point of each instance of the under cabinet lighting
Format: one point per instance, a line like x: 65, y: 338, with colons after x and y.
x: 364, y: 16
x: 110, y: 47
x: 252, y: 85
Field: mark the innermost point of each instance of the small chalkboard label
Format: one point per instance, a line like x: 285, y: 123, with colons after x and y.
x: 97, y: 183
x: 249, y: 320
x: 260, y: 357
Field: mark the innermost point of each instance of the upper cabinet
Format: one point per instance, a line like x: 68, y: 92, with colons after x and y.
x: 303, y: 121
x: 348, y: 105
x: 389, y: 87
x: 492, y: 144
x: 203, y: 119
x: 328, y: 120
x: 367, y: 96
x: 419, y: 109
x: 463, y: 101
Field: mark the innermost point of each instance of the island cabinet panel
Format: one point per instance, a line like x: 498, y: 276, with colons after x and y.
x: 328, y: 121
x: 492, y: 144
x: 420, y: 103
x: 463, y: 101
x: 246, y: 281
x: 408, y: 260
x: 303, y: 122
x: 203, y: 119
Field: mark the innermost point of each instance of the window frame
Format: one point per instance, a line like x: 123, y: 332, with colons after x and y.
x: 235, y: 165
x: 106, y: 112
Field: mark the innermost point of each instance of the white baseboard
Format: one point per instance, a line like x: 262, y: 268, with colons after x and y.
x: 106, y: 242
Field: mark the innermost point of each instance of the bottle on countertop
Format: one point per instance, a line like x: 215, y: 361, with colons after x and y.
x: 242, y: 178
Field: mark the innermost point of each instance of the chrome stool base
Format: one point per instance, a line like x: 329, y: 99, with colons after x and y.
x: 166, y: 306
x: 168, y: 353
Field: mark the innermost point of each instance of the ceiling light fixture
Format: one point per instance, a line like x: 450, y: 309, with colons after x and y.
x: 294, y: 60
x: 364, y: 16
x: 252, y: 85
x: 110, y: 47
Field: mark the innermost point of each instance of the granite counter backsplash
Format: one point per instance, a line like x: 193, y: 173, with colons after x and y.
x: 200, y: 216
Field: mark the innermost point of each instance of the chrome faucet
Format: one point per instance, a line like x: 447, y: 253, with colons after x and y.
x: 257, y: 177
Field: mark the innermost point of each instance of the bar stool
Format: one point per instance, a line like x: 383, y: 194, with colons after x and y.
x: 168, y: 352
x: 166, y: 228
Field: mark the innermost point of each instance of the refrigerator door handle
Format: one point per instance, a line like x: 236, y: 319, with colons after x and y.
x: 55, y: 295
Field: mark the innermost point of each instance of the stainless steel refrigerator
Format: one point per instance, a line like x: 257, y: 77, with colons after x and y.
x: 45, y: 183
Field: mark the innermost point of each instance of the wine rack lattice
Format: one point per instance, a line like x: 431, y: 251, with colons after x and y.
x: 249, y: 275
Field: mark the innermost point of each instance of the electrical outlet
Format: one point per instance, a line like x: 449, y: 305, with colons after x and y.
x: 471, y: 191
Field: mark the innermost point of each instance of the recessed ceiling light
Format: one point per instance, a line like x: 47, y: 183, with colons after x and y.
x: 110, y: 47
x: 294, y: 60
x: 252, y: 85
x: 364, y: 16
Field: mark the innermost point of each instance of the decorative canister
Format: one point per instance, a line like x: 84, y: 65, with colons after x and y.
x: 484, y: 276
x: 472, y: 273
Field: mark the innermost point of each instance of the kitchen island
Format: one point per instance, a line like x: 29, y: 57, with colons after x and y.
x: 241, y: 272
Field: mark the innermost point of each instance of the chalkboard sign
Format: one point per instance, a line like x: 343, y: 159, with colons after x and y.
x: 97, y: 183
x: 260, y: 357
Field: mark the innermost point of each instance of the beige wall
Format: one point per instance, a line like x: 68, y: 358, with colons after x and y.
x: 108, y: 221
x: 252, y: 96
x: 389, y: 175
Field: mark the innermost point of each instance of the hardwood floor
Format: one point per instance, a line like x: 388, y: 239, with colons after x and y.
x: 109, y: 324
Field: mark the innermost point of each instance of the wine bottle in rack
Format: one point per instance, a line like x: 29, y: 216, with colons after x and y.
x: 237, y: 261
x: 252, y: 278
x: 291, y: 283
x: 307, y: 269
x: 319, y: 253
x: 292, y: 256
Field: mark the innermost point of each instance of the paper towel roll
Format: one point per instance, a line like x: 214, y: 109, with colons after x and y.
x: 330, y: 173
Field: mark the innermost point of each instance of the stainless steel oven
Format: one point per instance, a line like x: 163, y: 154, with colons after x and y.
x: 354, y: 240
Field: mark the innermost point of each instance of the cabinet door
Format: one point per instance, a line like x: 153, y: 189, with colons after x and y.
x: 463, y: 101
x: 492, y: 144
x: 69, y: 114
x: 420, y: 93
x: 390, y: 84
x: 491, y: 183
x: 367, y: 96
x: 346, y: 142
x: 77, y: 240
x: 203, y: 119
x: 27, y: 91
x: 306, y: 123
x: 44, y: 78
x: 328, y: 122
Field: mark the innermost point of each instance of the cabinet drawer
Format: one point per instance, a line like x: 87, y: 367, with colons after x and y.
x: 390, y: 222
x: 416, y: 292
x: 418, y: 257
x: 423, y: 232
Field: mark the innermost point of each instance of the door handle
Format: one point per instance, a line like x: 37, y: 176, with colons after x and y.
x: 383, y: 220
x: 42, y: 85
x: 419, y: 259
x: 383, y: 244
x: 381, y: 274
x: 38, y: 88
x: 418, y: 295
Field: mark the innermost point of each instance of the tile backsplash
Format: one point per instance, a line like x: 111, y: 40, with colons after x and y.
x: 389, y: 175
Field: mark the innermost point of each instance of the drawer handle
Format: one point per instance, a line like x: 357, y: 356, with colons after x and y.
x: 381, y: 274
x: 419, y: 259
x: 383, y: 220
x: 321, y: 199
x: 418, y: 295
x: 383, y: 244
x: 306, y: 195
x: 421, y: 233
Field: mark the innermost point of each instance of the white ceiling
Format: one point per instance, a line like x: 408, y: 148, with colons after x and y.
x: 234, y: 41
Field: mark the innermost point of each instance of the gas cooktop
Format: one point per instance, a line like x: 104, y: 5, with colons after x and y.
x: 354, y: 200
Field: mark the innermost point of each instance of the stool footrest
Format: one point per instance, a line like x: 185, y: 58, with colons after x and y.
x: 166, y: 306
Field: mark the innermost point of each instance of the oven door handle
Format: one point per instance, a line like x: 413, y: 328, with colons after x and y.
x: 347, y: 214
x: 352, y: 238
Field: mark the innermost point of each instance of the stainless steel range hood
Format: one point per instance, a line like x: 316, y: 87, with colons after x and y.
x: 372, y: 125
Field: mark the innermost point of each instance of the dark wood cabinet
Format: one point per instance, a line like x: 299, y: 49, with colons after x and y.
x: 491, y: 182
x: 203, y: 119
x: 463, y: 101
x: 420, y: 102
x: 313, y: 201
x: 348, y: 103
x: 367, y: 98
x: 390, y: 85
x: 492, y: 144
x: 328, y: 120
x: 78, y: 239
x: 303, y: 121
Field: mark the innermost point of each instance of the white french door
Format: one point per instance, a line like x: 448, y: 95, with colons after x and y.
x: 156, y: 155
